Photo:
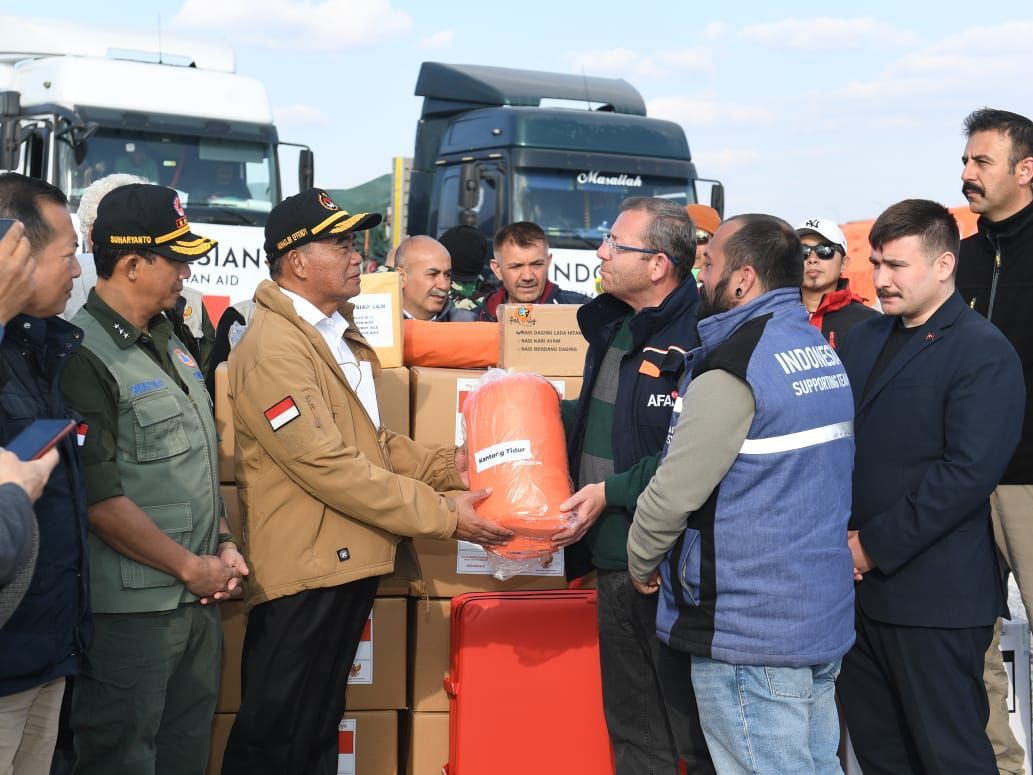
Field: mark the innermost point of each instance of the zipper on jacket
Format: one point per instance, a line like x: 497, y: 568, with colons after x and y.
x: 315, y: 414
x: 993, y: 283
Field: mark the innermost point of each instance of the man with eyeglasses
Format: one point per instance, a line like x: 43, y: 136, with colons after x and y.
x: 638, y: 331
x: 833, y: 307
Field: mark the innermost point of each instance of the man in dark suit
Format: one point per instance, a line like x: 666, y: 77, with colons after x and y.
x: 939, y: 398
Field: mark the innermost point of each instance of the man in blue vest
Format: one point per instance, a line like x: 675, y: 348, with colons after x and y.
x: 750, y: 553
x: 160, y: 546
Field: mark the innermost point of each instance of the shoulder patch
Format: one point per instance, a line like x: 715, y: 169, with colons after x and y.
x: 282, y: 412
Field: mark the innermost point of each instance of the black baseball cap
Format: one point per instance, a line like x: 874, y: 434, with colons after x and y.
x: 308, y: 216
x: 151, y: 218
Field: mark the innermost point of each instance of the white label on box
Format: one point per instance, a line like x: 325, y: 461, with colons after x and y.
x: 375, y: 319
x: 362, y: 667
x: 506, y: 452
x: 346, y: 747
x: 472, y: 559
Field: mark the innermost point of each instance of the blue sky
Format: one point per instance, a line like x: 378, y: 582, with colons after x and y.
x: 801, y: 108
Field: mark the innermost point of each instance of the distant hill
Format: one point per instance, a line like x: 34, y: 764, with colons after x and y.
x: 373, y: 196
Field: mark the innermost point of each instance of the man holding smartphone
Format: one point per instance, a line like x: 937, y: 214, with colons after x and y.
x: 43, y: 641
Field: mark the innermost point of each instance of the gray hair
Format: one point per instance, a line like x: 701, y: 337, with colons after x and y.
x: 91, y: 196
x: 670, y: 231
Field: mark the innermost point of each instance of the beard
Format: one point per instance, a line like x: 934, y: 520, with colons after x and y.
x: 716, y: 303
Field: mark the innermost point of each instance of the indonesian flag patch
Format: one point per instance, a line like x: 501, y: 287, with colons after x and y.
x: 281, y: 413
x: 80, y: 433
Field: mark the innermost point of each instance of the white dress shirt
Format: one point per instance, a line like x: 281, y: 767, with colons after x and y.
x: 358, y: 373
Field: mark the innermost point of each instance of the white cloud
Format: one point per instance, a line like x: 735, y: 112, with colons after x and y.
x: 298, y: 114
x: 440, y: 39
x: 693, y: 60
x: 689, y: 111
x: 289, y: 24
x: 827, y: 33
x: 714, y: 30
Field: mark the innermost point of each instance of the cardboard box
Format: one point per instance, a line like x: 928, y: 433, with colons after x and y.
x: 224, y: 425
x: 426, y: 743
x: 378, y: 674
x: 367, y: 743
x: 450, y: 568
x: 234, y: 623
x: 393, y: 399
x: 378, y: 315
x: 544, y: 338
x: 437, y: 400
x: 222, y: 723
x: 429, y: 653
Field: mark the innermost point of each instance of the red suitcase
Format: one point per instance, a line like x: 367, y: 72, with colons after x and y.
x: 524, y: 689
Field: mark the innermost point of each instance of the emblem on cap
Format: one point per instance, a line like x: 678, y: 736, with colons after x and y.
x: 178, y: 207
x: 327, y: 202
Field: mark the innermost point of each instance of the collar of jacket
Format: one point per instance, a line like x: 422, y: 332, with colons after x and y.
x: 837, y: 299
x: 1010, y: 227
x: 269, y: 295
x: 717, y: 328
x: 492, y: 302
x: 25, y: 331
x: 604, y: 310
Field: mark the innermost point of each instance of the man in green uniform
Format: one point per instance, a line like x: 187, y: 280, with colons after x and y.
x: 160, y: 548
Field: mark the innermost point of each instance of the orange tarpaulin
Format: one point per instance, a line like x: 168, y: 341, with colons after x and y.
x: 451, y: 345
x: 517, y: 448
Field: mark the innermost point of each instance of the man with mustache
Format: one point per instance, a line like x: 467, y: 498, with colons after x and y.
x: 425, y: 268
x: 521, y: 262
x: 995, y: 274
x: 939, y: 400
x: 160, y: 547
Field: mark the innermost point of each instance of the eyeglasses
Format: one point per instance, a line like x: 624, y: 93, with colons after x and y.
x: 824, y: 251
x: 702, y: 237
x: 615, y: 247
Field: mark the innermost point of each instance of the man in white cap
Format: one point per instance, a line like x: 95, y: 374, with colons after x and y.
x: 833, y: 307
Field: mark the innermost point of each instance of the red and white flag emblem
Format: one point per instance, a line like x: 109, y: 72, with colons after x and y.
x: 281, y: 413
x: 80, y: 433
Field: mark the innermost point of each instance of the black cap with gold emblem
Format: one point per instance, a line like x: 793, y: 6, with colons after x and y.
x: 150, y: 218
x: 309, y: 216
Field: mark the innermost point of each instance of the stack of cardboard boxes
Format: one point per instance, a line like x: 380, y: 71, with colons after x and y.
x: 397, y: 718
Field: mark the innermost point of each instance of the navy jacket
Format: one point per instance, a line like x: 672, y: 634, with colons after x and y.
x: 648, y: 381
x: 51, y: 628
x: 933, y: 436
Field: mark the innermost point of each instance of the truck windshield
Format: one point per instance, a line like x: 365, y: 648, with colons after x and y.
x: 219, y: 180
x: 577, y: 207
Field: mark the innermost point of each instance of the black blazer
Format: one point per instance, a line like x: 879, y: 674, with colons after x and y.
x: 933, y: 436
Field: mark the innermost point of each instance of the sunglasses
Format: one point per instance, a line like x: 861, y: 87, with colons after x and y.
x: 702, y: 237
x: 824, y: 252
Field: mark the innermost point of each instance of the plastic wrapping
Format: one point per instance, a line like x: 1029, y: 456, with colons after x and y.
x: 516, y: 444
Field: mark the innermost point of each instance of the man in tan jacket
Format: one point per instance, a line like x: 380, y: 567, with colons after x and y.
x: 326, y: 490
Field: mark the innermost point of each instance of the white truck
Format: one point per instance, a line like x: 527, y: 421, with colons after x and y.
x: 78, y: 102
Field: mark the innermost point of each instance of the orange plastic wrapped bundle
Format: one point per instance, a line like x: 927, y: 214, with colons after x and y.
x: 517, y: 448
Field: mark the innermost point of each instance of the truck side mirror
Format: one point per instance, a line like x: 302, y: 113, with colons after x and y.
x: 717, y: 199
x: 469, y: 186
x: 306, y: 169
x: 10, y: 142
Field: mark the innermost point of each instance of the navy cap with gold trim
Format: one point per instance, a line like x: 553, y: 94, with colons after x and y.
x: 308, y: 216
x: 151, y: 218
